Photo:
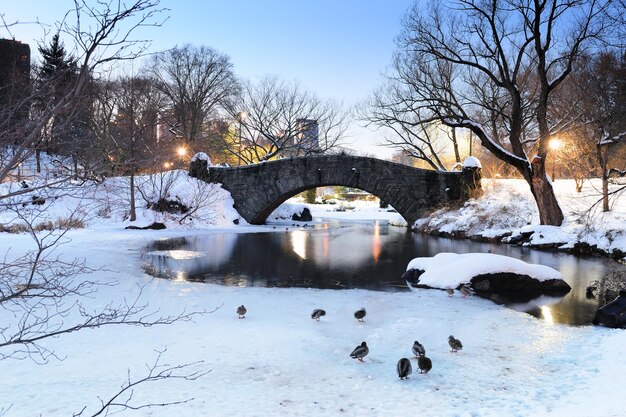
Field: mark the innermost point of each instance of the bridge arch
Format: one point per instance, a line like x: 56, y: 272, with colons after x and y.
x: 259, y: 189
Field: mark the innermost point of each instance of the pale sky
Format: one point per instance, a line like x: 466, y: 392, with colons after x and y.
x: 335, y: 48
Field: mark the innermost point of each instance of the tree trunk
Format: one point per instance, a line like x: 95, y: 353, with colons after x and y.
x: 75, y: 162
x: 457, y: 154
x: 605, y: 190
x: 579, y: 184
x: 133, y: 211
x: 549, y: 210
x: 38, y: 159
x: 603, y: 160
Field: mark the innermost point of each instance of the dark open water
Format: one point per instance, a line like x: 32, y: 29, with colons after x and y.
x: 366, y: 254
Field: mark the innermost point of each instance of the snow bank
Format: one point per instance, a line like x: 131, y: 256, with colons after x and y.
x: 285, y: 211
x: 449, y: 270
x: 108, y: 203
x: 507, y: 212
x: 201, y: 156
x: 471, y: 162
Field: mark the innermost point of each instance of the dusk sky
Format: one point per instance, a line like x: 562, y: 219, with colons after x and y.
x: 335, y: 48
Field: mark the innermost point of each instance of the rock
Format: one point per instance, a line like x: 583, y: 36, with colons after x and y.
x: 614, y: 313
x: 508, y: 284
x: 169, y: 206
x: 37, y: 201
x: 153, y: 226
x: 412, y: 275
x: 519, y: 239
x: 618, y: 254
x: 303, y: 216
x: 511, y: 283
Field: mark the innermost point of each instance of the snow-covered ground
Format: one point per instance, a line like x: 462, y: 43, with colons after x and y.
x: 507, y: 208
x: 277, y: 361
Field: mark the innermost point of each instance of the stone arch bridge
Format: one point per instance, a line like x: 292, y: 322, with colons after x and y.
x: 259, y: 189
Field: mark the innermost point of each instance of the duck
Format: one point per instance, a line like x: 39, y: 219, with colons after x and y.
x: 455, y: 344
x: 360, y: 314
x: 241, y: 310
x: 450, y: 292
x: 360, y: 352
x: 418, y: 349
x: 317, y: 313
x: 404, y: 368
x: 425, y: 364
x: 466, y: 290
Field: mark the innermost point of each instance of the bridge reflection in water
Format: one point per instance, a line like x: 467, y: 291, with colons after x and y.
x: 341, y: 255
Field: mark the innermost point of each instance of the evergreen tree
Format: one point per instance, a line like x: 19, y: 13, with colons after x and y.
x: 57, y: 75
x: 56, y: 63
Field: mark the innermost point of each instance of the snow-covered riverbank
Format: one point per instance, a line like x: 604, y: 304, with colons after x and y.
x: 507, y: 212
x: 277, y: 361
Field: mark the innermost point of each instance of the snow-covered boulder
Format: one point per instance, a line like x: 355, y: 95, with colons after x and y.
x: 485, y: 272
x: 290, y: 211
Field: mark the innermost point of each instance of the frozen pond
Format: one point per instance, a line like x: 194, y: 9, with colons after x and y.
x: 366, y: 254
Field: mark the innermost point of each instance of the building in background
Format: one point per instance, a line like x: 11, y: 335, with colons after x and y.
x: 14, y: 79
x: 307, y: 138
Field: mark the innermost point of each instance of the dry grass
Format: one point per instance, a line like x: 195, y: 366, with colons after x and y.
x: 61, y: 223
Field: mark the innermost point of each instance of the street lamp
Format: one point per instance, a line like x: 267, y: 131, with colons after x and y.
x: 240, y: 118
x: 181, y: 151
x: 555, y: 144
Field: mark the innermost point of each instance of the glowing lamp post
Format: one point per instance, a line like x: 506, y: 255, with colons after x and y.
x: 555, y: 144
x: 181, y: 152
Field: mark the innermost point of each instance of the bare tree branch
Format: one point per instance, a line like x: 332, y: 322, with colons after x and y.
x: 123, y: 399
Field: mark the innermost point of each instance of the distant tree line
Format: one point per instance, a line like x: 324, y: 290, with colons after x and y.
x: 149, y: 114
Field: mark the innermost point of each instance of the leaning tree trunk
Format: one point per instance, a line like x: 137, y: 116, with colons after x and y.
x: 550, y: 212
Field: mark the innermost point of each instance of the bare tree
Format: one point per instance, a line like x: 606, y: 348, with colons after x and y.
x: 102, y: 117
x: 41, y: 292
x: 601, y: 88
x: 198, y: 81
x: 391, y: 108
x: 492, y: 67
x: 277, y: 119
x: 134, y: 141
x: 102, y: 33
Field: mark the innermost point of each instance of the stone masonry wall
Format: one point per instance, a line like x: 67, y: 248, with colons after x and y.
x: 258, y: 189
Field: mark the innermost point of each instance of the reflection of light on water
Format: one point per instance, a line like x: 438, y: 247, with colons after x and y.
x: 326, y: 243
x: 181, y: 276
x: 184, y: 254
x: 376, y: 244
x: 546, y: 313
x: 298, y: 241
